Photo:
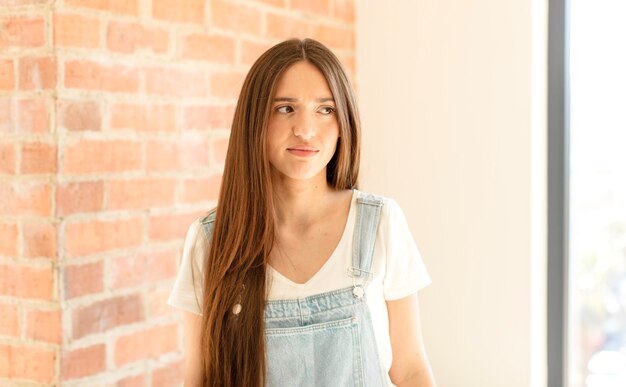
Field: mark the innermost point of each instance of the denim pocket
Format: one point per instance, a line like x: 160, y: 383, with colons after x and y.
x: 316, y: 355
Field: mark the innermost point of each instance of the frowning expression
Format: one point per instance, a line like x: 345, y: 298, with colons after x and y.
x: 303, y: 128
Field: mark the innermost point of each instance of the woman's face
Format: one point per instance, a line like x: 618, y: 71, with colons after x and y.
x: 303, y: 128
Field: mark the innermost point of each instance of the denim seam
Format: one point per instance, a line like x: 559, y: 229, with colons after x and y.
x: 333, y: 325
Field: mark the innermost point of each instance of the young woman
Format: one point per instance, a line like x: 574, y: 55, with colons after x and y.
x: 297, y: 278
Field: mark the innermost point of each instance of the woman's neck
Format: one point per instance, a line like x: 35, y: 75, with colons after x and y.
x: 300, y: 203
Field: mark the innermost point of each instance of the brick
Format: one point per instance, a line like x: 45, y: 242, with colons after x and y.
x: 173, y: 155
x: 141, y: 193
x: 131, y: 37
x: 104, y: 315
x: 349, y: 64
x: 202, y: 190
x: 83, y: 74
x: 168, y: 375
x: 39, y: 239
x: 208, y: 117
x: 343, y: 10
x: 37, y: 73
x: 226, y: 84
x: 139, y: 117
x: 26, y: 362
x: 219, y: 147
x: 128, y: 116
x: 76, y: 31
x: 171, y: 226
x: 149, y: 344
x: 83, y: 362
x: 251, y: 51
x: 273, y: 3
x: 80, y: 115
x: 157, y: 306
x: 38, y: 157
x: 8, y: 242
x: 213, y: 48
x: 334, y: 37
x: 132, y: 381
x: 160, y: 118
x: 25, y: 2
x: 33, y: 116
x: 79, y: 197
x: 319, y: 7
x: 162, y: 265
x: 7, y: 158
x: 130, y: 271
x: 285, y: 27
x: 7, y: 75
x: 6, y: 115
x: 22, y: 32
x: 80, y: 280
x: 91, y: 237
x: 175, y: 82
x: 193, y: 153
x: 91, y: 156
x: 23, y: 198
x: 189, y: 11
x: 235, y: 17
x: 9, y: 321
x: 125, y: 7
x: 44, y: 325
x: 26, y: 282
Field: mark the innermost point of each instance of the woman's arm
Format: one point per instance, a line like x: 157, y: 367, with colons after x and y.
x: 193, y: 359
x: 409, y: 366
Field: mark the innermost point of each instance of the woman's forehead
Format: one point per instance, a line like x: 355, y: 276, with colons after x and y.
x: 302, y: 79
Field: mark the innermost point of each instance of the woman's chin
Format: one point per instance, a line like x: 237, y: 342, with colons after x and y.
x: 301, y: 176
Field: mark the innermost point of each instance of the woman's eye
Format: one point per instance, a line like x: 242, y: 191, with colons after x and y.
x: 327, y: 110
x: 284, y: 109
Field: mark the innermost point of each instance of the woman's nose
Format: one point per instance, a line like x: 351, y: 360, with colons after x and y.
x: 304, y: 127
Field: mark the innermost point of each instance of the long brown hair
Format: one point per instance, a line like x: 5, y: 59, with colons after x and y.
x: 233, y: 349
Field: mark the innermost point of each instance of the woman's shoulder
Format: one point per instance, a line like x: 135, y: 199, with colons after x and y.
x: 200, y: 229
x: 367, y: 197
x: 207, y: 218
x: 390, y: 213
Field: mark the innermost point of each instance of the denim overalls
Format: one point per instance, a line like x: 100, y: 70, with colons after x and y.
x: 327, y: 339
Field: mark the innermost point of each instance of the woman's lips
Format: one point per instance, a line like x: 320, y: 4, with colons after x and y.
x: 303, y: 151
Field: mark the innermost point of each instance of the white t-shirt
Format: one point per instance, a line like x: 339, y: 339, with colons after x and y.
x: 397, y: 267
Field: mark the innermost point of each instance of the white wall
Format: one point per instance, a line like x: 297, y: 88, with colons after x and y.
x: 452, y: 96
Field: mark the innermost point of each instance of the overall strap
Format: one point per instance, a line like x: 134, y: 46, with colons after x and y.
x: 368, y: 208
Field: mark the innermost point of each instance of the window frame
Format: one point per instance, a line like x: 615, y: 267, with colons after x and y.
x: 558, y: 193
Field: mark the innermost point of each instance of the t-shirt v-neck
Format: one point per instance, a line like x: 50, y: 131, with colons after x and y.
x: 332, y: 275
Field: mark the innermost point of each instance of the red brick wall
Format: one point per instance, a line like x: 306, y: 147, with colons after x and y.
x: 114, y: 121
x: 30, y: 314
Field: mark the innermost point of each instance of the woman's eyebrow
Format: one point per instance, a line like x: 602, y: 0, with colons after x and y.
x: 287, y: 99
